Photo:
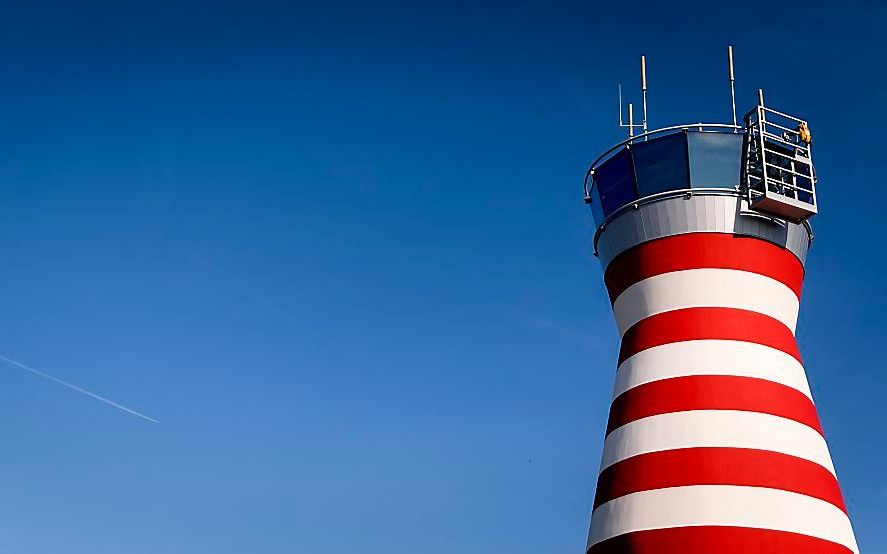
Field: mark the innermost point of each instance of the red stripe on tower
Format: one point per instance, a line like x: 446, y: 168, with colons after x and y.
x: 703, y: 250
x: 716, y: 540
x: 718, y: 466
x: 708, y: 324
x: 712, y: 392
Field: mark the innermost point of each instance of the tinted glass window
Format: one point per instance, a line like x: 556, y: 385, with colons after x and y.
x: 661, y: 164
x: 597, y: 211
x: 715, y: 159
x: 614, y: 180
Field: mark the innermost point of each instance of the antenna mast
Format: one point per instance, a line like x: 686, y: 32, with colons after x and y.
x: 620, y: 105
x: 644, y: 90
x: 732, y: 88
x: 631, y: 124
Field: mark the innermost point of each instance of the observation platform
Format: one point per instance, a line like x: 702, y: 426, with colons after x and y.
x: 703, y: 178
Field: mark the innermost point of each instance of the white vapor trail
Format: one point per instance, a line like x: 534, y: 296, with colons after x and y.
x: 76, y: 388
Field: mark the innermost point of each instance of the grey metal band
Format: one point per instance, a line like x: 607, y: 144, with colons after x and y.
x: 694, y: 211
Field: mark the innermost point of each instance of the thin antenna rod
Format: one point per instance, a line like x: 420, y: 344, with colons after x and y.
x: 620, y: 105
x: 760, y: 97
x: 644, y: 89
x: 630, y: 120
x: 732, y: 87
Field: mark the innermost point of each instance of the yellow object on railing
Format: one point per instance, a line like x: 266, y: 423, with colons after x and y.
x: 804, y: 132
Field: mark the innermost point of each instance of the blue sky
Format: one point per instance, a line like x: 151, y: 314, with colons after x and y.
x: 339, y: 250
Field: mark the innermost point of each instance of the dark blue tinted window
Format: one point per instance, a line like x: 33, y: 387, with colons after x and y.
x: 714, y: 159
x: 661, y: 164
x: 614, y: 180
x: 597, y: 211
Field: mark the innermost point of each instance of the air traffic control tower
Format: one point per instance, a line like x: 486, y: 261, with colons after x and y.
x: 713, y: 444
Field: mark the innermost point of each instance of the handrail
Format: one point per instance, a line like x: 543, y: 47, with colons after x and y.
x: 785, y: 115
x: 775, y: 112
x: 713, y: 128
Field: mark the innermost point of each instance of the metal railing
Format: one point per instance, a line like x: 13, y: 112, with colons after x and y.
x: 778, y: 158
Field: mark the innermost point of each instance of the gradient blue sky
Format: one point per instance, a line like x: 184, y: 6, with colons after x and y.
x: 339, y: 250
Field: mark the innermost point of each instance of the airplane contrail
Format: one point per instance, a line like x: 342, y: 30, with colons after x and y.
x: 76, y: 388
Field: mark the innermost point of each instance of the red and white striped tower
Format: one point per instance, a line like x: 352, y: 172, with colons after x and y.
x: 713, y: 443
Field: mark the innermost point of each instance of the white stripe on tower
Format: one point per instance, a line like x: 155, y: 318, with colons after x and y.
x: 710, y: 357
x: 721, y: 505
x: 716, y: 429
x: 706, y: 287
